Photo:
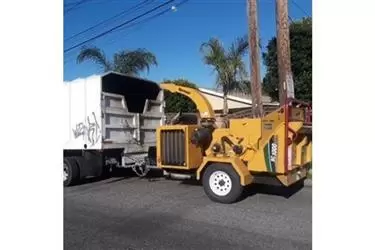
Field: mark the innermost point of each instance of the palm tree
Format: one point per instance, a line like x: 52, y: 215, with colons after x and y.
x: 228, y: 65
x: 127, y: 62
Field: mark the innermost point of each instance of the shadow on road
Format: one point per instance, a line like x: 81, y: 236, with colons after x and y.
x: 191, y: 182
x: 155, y: 175
x: 254, y: 189
x: 123, y: 174
x: 89, y: 180
x: 281, y: 191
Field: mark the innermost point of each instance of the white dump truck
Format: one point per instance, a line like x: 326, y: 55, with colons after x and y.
x: 111, y: 120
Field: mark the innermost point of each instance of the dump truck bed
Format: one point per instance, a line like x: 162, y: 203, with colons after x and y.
x: 112, y: 111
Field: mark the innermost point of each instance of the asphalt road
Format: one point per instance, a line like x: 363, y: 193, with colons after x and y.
x: 133, y: 213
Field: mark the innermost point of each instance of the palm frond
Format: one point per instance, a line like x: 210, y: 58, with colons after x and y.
x: 239, y: 47
x: 229, y: 65
x: 95, y: 55
x: 134, y: 61
x: 214, y: 53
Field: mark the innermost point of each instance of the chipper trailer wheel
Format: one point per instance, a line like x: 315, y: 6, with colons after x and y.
x: 71, y: 171
x: 222, y: 184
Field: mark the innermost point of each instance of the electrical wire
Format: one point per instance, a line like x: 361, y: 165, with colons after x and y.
x: 300, y: 8
x: 139, y: 23
x: 124, y: 12
x: 75, y: 5
x: 148, y: 19
x: 118, y: 26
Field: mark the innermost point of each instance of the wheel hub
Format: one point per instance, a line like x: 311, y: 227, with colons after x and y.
x: 220, y: 183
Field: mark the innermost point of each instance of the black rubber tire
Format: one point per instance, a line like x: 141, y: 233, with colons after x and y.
x: 72, y: 170
x: 236, y: 191
x: 82, y: 171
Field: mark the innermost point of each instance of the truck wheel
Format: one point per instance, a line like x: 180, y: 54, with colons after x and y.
x: 222, y: 184
x: 71, y: 171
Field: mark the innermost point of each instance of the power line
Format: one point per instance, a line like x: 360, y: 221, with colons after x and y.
x: 93, y: 1
x: 139, y: 23
x: 300, y: 8
x: 118, y: 26
x: 148, y: 19
x: 68, y: 4
x: 76, y: 5
x: 109, y: 19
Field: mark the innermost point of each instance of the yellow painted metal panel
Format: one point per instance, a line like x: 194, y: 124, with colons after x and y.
x: 245, y: 177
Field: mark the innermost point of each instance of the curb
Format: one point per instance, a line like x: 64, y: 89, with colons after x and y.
x: 308, y: 183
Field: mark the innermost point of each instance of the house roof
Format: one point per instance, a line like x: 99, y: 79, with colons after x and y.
x: 234, y: 102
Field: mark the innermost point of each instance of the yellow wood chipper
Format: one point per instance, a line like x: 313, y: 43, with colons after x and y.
x: 226, y: 159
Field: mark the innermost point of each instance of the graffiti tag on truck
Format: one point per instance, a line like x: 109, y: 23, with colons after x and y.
x: 91, y: 129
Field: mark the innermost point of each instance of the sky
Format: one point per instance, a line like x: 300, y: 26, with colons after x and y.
x: 174, y: 37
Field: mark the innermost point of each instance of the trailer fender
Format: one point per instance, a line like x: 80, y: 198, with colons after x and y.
x: 245, y: 177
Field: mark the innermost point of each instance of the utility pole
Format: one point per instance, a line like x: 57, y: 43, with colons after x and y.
x: 255, y: 81
x: 286, y: 84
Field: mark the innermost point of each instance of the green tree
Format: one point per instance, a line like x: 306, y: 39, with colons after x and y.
x: 244, y: 86
x: 301, y: 59
x: 127, y: 62
x: 175, y: 102
x: 228, y: 64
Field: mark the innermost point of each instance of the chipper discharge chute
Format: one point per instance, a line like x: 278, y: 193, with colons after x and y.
x: 276, y: 146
